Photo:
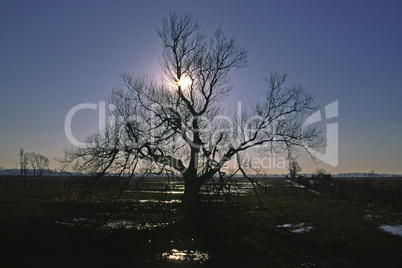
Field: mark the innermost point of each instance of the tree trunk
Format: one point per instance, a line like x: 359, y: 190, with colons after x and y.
x: 191, y: 197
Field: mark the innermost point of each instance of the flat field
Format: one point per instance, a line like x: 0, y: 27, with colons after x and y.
x: 43, y: 223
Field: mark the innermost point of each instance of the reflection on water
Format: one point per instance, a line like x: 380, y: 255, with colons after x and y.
x: 75, y: 221
x: 150, y: 201
x: 113, y: 225
x: 298, y: 228
x: 396, y: 229
x: 314, y: 191
x: 160, y: 201
x: 158, y: 191
x: 296, y: 184
x: 186, y: 255
x: 235, y: 188
x: 128, y: 225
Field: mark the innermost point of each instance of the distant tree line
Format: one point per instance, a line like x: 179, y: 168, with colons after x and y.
x: 32, y: 161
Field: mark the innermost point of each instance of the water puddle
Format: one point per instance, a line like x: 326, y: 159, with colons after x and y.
x: 298, y: 228
x: 129, y: 225
x: 214, y: 201
x: 159, y: 201
x: 173, y: 201
x: 295, y: 184
x: 396, y: 229
x: 314, y: 191
x: 75, y: 221
x: 159, y: 191
x: 113, y: 224
x: 239, y: 188
x: 186, y: 255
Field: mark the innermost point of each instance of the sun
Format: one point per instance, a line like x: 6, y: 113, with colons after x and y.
x: 184, y: 82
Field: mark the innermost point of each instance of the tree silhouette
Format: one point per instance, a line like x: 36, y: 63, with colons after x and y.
x: 294, y: 168
x: 39, y: 163
x: 24, y: 161
x: 179, y: 125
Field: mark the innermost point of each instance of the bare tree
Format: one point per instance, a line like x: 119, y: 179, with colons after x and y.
x: 24, y: 161
x: 321, y: 173
x: 294, y: 168
x: 21, y: 156
x: 32, y: 161
x: 179, y: 126
x: 42, y: 163
x: 38, y: 163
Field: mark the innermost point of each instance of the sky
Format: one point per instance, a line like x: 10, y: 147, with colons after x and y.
x: 55, y: 55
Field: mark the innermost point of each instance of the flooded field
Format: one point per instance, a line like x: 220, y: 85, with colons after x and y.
x: 146, y: 227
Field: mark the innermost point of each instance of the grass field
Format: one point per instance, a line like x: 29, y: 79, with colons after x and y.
x: 43, y: 225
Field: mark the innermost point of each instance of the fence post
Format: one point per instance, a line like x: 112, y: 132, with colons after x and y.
x: 43, y: 183
x: 64, y: 186
x: 7, y: 183
x: 25, y: 183
x: 138, y: 186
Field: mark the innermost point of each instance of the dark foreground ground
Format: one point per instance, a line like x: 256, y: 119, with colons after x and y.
x: 45, y: 227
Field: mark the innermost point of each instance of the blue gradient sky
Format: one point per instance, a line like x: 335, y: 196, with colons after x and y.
x: 57, y: 54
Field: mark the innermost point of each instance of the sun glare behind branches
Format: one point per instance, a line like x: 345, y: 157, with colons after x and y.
x: 184, y: 82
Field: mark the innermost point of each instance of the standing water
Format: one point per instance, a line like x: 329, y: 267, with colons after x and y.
x: 396, y: 229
